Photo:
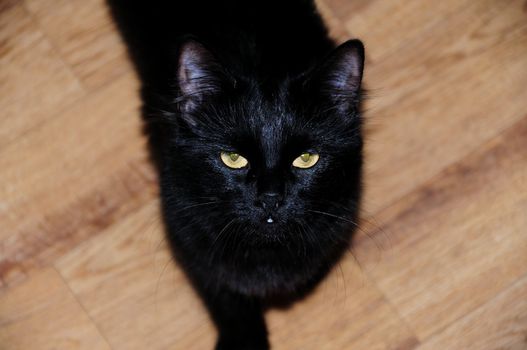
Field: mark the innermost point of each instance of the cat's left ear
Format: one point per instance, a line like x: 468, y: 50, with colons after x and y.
x: 199, y: 76
x: 338, y: 79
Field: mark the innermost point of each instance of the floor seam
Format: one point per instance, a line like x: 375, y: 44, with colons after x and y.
x: 79, y: 302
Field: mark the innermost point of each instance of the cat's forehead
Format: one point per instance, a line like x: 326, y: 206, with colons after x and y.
x: 266, y: 124
x: 270, y: 125
x: 269, y: 116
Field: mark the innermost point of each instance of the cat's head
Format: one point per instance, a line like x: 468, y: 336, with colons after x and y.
x: 273, y: 159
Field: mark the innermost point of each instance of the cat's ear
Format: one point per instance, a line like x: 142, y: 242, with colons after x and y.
x: 338, y: 78
x: 199, y: 76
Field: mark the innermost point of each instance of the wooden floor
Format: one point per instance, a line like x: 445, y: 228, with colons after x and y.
x: 441, y: 262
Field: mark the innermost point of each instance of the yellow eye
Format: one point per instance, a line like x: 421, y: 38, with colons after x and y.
x: 306, y: 160
x: 233, y: 160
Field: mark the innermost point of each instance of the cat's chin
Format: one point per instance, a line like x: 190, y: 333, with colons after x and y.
x: 265, y: 233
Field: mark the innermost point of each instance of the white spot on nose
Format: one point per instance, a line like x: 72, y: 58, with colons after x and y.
x: 270, y: 220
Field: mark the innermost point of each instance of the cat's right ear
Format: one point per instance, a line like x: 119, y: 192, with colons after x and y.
x: 199, y: 76
x: 338, y: 78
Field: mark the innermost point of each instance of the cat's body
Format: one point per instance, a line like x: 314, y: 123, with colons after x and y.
x: 262, y: 80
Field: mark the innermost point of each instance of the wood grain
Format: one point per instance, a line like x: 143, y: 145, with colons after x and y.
x: 498, y: 324
x: 42, y: 313
x: 90, y: 45
x: 64, y: 185
x: 448, y: 91
x: 346, y: 312
x: 127, y: 282
x: 34, y: 82
x: 468, y: 225
x: 440, y: 261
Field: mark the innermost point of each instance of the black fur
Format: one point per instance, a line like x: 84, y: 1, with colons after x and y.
x: 263, y: 79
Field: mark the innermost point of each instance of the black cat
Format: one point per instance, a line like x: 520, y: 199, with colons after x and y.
x: 254, y: 123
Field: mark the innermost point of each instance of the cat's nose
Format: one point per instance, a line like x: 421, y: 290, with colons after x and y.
x: 269, y: 201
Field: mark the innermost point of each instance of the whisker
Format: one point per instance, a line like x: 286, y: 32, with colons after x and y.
x: 379, y: 247
x: 334, y: 216
x: 167, y: 264
x: 370, y: 220
x: 224, y: 229
x: 197, y: 205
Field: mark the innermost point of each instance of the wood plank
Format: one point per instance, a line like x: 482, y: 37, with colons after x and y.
x: 80, y: 171
x: 445, y: 269
x: 396, y: 25
x: 42, y: 313
x: 437, y: 95
x: 34, y: 82
x: 90, y: 45
x: 458, y: 240
x: 122, y: 273
x: 129, y: 285
x: 336, y: 29
x: 345, y: 312
x: 499, y: 324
